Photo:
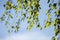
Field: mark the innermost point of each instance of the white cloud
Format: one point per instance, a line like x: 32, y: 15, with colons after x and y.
x: 27, y: 36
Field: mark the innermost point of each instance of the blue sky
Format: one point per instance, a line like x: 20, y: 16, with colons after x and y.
x: 24, y: 34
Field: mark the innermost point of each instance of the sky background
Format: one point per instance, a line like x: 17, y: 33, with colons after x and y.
x: 23, y: 33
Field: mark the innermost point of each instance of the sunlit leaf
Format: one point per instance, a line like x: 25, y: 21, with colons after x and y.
x: 29, y: 20
x: 53, y: 38
x: 17, y: 28
x: 54, y: 5
x: 58, y: 12
x: 31, y: 25
x: 3, y: 17
x: 47, y: 24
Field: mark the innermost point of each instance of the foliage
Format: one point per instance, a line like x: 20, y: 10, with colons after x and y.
x: 32, y: 8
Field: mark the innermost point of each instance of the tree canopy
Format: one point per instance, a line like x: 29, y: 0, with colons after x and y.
x: 32, y: 10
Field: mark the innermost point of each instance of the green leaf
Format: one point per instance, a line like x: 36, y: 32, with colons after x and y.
x: 17, y: 28
x: 48, y: 1
x: 12, y: 26
x: 53, y: 38
x: 54, y: 5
